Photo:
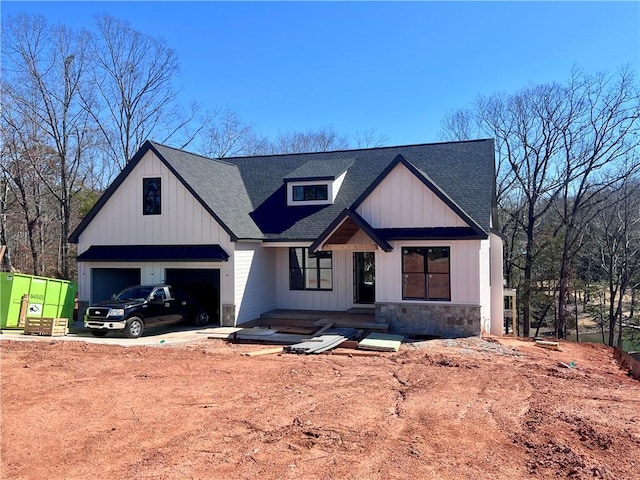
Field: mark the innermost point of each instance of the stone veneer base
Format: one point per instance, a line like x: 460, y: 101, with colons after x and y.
x: 437, y: 319
x: 228, y: 315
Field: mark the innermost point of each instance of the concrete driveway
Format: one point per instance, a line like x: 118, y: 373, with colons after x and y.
x: 172, y: 334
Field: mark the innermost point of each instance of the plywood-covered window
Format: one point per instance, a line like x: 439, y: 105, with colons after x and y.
x: 426, y: 273
x: 310, y: 271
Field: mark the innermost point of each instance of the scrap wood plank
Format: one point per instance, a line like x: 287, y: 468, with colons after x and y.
x: 348, y: 352
x: 548, y: 345
x: 326, y: 327
x: 381, y: 342
x: 290, y: 329
x: 353, y: 344
x: 265, y: 351
x: 232, y: 332
x: 24, y: 304
x: 275, y: 339
x: 53, y: 327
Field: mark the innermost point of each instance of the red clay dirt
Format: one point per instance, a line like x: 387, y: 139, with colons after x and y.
x: 440, y: 409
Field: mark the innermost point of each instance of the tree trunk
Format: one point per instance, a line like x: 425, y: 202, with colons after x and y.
x: 5, y: 262
x: 528, y: 271
x: 575, y: 302
x: 602, y: 317
x: 560, y: 330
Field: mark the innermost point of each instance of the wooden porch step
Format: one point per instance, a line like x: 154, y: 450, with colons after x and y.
x: 361, y: 319
x: 370, y: 326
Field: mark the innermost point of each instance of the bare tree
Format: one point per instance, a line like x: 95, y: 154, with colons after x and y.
x: 599, y: 149
x: 616, y: 232
x: 43, y: 74
x: 133, y: 96
x: 5, y: 261
x: 558, y: 147
x: 225, y: 134
x: 526, y: 126
x: 23, y: 182
x: 369, y: 138
x: 459, y: 125
x: 321, y: 140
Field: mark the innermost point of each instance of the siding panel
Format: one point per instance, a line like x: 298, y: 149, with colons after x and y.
x: 465, y: 271
x: 120, y: 221
x: 255, y: 291
x: 183, y: 221
x: 401, y: 200
x: 340, y: 298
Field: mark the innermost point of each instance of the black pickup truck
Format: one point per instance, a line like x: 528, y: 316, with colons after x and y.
x: 141, y: 306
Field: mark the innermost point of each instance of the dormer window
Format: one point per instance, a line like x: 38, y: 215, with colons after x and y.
x: 316, y: 182
x: 310, y: 192
x: 305, y: 193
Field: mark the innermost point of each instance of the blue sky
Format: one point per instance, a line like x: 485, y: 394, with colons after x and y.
x: 395, y: 67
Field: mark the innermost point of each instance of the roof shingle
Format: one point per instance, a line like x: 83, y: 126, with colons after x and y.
x: 247, y: 195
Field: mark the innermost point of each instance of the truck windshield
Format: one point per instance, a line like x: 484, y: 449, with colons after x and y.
x: 134, y: 293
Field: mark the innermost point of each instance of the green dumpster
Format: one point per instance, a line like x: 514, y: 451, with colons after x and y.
x: 48, y: 297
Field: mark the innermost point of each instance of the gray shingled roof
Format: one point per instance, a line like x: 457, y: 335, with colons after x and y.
x: 463, y: 170
x: 218, y: 184
x: 326, y: 169
x: 247, y: 195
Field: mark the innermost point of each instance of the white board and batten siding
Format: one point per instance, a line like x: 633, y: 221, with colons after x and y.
x: 497, y: 285
x: 465, y: 271
x: 339, y: 299
x: 485, y: 285
x: 183, y: 221
x: 401, y: 200
x: 255, y: 280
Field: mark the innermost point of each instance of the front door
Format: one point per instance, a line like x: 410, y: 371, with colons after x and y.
x: 364, y: 277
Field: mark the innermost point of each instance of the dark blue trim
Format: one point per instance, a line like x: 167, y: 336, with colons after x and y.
x: 435, y: 233
x: 308, y: 179
x: 152, y: 253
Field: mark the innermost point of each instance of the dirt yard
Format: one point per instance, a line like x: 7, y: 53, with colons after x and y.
x: 440, y: 409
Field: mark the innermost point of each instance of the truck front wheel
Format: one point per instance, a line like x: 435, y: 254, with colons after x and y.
x: 134, y: 328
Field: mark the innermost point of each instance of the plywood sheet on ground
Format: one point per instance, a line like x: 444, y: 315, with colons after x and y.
x: 381, y: 342
x: 231, y: 332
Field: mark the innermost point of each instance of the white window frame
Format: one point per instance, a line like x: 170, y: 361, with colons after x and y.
x: 296, y: 203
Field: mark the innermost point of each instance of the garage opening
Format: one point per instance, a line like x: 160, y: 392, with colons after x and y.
x: 201, y: 284
x: 107, y: 281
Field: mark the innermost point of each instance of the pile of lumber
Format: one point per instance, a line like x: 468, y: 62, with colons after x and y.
x: 325, y: 339
x: 321, y: 343
x: 53, y: 327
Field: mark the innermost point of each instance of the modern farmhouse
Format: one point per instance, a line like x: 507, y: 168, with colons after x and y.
x: 405, y: 231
